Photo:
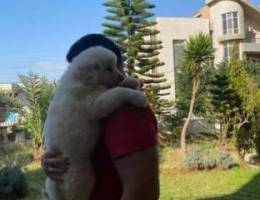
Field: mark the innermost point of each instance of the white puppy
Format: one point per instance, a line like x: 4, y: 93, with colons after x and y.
x: 88, y: 91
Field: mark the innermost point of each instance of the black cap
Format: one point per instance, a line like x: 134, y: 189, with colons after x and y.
x: 92, y: 40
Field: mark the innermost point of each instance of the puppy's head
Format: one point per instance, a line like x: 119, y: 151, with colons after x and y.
x: 97, y: 66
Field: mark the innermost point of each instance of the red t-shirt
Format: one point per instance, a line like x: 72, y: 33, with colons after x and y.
x: 126, y: 131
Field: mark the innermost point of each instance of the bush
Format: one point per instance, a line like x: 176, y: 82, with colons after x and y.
x: 225, y: 161
x: 197, y: 159
x: 209, y: 161
x: 257, y: 144
x: 15, y: 154
x: 257, y: 134
x: 170, y: 130
x: 244, y: 139
x: 193, y: 160
x: 13, y: 183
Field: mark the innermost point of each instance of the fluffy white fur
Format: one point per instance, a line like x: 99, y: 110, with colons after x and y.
x: 88, y: 91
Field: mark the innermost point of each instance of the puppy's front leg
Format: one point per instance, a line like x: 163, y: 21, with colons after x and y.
x: 113, y: 98
x: 131, y: 82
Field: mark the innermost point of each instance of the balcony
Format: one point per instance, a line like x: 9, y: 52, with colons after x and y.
x: 255, y: 40
x: 231, y: 37
x: 251, y: 45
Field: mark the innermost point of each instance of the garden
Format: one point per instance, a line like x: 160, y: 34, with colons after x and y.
x: 238, y: 183
x: 209, y: 138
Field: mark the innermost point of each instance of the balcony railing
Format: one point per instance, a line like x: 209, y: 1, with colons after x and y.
x: 253, y: 40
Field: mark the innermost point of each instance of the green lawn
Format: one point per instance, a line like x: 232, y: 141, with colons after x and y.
x: 35, y: 179
x: 236, y: 184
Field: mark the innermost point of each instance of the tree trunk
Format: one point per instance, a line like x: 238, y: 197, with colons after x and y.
x: 3, y: 131
x: 221, y: 132
x: 195, y: 88
x: 226, y: 131
x: 39, y: 151
x: 242, y: 124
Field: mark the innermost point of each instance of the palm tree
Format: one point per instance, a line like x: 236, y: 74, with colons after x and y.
x: 197, y: 55
x: 39, y: 91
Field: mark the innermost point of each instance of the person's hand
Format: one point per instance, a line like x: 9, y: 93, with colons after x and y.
x: 54, y: 165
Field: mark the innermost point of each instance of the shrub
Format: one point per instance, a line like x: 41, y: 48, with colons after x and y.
x: 13, y: 183
x: 197, y: 159
x: 170, y: 130
x: 257, y: 135
x: 257, y: 144
x: 244, y: 139
x: 257, y: 139
x: 15, y: 154
x: 225, y: 161
x: 209, y: 161
x: 193, y: 160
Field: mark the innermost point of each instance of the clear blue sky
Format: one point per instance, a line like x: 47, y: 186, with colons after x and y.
x: 35, y: 34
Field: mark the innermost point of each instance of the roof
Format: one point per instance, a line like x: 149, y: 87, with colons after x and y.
x: 203, y: 12
x: 250, y: 9
x: 243, y: 2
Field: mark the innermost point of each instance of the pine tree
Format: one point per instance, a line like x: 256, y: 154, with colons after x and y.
x: 114, y: 27
x: 129, y: 24
x: 225, y: 101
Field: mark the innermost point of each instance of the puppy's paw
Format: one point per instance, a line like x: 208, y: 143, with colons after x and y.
x: 131, y: 82
x: 139, y: 99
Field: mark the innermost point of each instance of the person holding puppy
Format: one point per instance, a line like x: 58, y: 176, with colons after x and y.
x: 126, y: 160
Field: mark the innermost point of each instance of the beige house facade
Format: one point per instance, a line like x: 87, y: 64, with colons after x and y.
x: 11, y: 89
x: 227, y: 21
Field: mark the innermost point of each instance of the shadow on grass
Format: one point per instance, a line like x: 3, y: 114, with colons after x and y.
x: 250, y: 191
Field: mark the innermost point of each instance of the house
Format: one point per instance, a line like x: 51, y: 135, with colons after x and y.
x: 11, y: 89
x: 9, y: 118
x: 14, y: 89
x: 227, y: 21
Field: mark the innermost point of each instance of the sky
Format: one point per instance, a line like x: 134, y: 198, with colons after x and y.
x: 35, y: 35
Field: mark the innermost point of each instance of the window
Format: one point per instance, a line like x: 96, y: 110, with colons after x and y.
x: 228, y: 47
x: 178, y: 47
x: 230, y: 23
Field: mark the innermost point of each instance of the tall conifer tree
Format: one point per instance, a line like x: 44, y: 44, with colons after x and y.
x: 129, y: 23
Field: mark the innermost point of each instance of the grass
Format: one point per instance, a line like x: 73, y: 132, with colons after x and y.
x: 35, y: 179
x: 22, y: 155
x: 235, y: 184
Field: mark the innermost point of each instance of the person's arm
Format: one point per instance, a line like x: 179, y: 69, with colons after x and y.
x: 139, y: 175
x: 131, y: 139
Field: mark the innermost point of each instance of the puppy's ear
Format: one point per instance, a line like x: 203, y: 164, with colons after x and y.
x: 87, y: 74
